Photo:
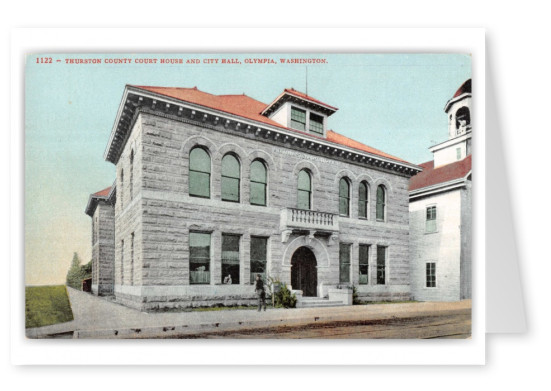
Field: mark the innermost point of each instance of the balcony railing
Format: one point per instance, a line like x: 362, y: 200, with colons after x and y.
x: 292, y: 218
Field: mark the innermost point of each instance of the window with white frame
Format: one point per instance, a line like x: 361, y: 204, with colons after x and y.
x: 316, y: 124
x: 298, y: 118
x: 430, y: 224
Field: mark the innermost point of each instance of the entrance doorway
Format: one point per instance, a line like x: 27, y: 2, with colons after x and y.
x: 304, y: 272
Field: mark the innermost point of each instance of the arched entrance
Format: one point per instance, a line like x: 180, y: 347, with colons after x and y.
x: 304, y: 273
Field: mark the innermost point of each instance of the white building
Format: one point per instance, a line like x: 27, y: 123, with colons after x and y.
x: 440, y: 211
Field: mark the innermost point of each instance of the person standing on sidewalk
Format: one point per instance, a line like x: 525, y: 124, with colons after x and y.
x: 260, y: 292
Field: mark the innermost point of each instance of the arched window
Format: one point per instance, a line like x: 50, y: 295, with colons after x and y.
x: 132, y: 175
x: 462, y: 119
x: 199, y: 173
x: 363, y: 200
x: 381, y: 203
x: 258, y: 183
x: 230, y: 178
x: 344, y: 197
x: 304, y: 195
x: 122, y: 189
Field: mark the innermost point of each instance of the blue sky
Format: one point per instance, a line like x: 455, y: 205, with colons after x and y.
x: 391, y: 102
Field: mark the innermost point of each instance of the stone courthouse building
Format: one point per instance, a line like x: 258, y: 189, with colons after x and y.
x: 212, y: 189
x: 441, y: 211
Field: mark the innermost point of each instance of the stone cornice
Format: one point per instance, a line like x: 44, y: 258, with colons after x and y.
x: 135, y: 101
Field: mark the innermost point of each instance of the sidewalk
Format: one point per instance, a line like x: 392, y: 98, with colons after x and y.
x: 99, y: 318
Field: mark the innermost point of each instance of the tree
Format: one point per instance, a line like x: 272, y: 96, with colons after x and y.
x: 74, y: 275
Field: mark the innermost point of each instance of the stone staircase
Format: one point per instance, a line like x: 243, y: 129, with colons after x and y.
x: 315, y: 302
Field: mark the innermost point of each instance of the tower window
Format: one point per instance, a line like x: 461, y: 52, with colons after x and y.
x: 462, y: 119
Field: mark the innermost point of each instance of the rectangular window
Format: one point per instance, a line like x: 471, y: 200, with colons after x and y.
x: 230, y: 259
x: 316, y: 124
x: 94, y: 230
x: 430, y: 225
x: 364, y: 263
x: 122, y: 262
x: 132, y: 259
x: 344, y: 263
x: 458, y: 152
x: 431, y: 274
x: 199, y: 258
x: 381, y: 265
x: 259, y: 250
x: 298, y: 119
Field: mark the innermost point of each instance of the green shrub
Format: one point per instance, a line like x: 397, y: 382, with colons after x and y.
x: 78, y: 272
x: 284, y: 298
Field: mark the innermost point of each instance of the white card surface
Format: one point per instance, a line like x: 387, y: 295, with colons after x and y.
x: 505, y: 311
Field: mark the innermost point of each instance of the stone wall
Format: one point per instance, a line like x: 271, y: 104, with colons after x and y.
x: 103, y: 249
x: 161, y: 214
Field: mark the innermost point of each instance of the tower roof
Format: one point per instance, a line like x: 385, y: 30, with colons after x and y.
x: 465, y: 87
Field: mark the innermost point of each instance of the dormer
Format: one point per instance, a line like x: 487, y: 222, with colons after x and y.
x: 298, y: 111
x: 458, y: 110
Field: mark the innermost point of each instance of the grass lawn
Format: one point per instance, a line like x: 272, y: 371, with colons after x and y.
x: 46, y: 305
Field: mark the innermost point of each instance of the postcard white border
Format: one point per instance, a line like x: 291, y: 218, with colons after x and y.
x: 222, y: 352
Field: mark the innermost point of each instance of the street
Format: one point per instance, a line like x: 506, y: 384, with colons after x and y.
x: 455, y: 325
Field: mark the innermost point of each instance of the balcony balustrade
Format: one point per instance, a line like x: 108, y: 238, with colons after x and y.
x: 292, y: 218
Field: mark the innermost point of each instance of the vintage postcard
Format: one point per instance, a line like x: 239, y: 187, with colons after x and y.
x: 248, y: 195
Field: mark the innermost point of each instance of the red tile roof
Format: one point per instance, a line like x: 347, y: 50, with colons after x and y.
x: 241, y: 105
x: 432, y: 176
x: 343, y: 140
x: 102, y: 193
x: 247, y: 107
x: 302, y: 95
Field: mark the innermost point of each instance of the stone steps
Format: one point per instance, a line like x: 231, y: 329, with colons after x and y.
x: 318, y: 302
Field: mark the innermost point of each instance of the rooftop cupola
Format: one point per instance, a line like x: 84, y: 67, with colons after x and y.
x: 458, y: 110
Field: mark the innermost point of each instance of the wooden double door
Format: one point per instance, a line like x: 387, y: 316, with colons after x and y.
x: 304, y: 272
